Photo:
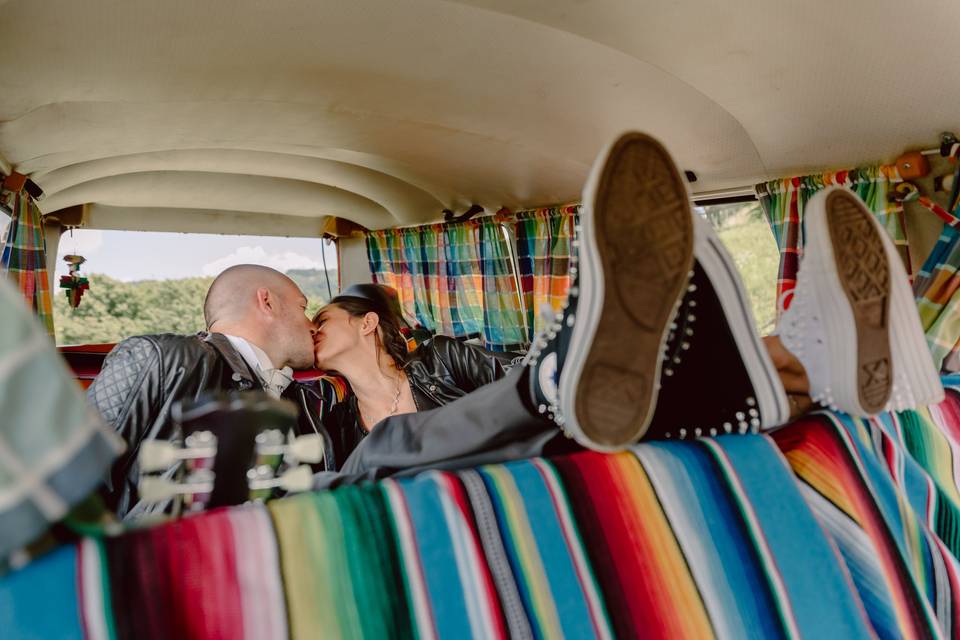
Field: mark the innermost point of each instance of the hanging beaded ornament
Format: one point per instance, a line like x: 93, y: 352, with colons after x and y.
x: 74, y: 283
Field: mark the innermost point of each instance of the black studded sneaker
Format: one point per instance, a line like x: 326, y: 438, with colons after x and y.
x: 596, y: 369
x: 717, y: 374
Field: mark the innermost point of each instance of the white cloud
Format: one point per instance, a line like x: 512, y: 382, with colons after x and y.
x: 86, y: 242
x: 282, y: 261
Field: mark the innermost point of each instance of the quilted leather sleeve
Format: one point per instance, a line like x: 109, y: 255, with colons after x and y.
x: 127, y: 388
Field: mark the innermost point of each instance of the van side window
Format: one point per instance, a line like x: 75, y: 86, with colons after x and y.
x: 152, y: 282
x: 746, y: 234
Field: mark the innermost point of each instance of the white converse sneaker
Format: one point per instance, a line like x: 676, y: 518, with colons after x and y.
x: 853, y: 323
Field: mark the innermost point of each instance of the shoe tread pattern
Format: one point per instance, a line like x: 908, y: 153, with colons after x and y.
x: 644, y: 234
x: 864, y: 272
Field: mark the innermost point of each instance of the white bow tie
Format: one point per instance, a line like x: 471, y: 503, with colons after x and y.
x: 275, y: 381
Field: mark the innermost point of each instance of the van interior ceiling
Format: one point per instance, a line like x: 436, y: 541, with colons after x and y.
x: 184, y: 116
x: 731, y: 483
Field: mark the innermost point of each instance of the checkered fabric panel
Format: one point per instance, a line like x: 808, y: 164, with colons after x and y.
x: 54, y: 450
x: 544, y: 246
x: 503, y: 318
x: 784, y: 200
x: 455, y: 279
x: 23, y: 257
x: 934, y: 288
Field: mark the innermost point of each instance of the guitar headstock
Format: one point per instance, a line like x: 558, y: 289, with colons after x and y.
x: 234, y: 448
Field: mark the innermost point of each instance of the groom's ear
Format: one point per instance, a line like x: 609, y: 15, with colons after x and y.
x: 264, y: 300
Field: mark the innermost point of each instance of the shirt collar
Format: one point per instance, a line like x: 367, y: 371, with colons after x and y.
x: 274, y: 380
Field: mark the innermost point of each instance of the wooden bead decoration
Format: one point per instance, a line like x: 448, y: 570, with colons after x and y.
x: 913, y: 165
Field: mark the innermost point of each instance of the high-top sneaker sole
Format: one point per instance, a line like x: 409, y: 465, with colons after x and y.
x: 864, y: 275
x: 875, y: 355
x: 635, y: 258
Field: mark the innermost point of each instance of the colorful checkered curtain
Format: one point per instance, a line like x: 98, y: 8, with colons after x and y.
x: 544, y: 247
x: 24, y: 254
x: 455, y: 279
x: 503, y: 321
x: 457, y: 292
x: 783, y: 202
x: 935, y: 287
x: 414, y: 261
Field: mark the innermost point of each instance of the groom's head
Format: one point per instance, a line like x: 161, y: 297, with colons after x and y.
x: 265, y: 307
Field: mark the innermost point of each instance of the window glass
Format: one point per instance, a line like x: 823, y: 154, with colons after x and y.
x: 148, y: 282
x: 747, y: 236
x: 4, y: 224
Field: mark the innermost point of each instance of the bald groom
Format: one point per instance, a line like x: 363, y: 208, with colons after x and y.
x: 257, y: 332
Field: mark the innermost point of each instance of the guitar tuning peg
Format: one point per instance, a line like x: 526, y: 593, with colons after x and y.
x: 160, y: 455
x: 296, y: 480
x: 157, y: 455
x: 307, y: 448
x: 153, y: 489
x: 158, y: 489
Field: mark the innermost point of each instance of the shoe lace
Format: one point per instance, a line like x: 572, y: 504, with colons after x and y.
x: 799, y: 329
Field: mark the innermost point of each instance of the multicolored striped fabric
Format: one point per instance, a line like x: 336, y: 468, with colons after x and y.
x: 341, y: 566
x: 886, y: 492
x: 24, y: 257
x: 455, y: 279
x: 934, y: 288
x: 212, y: 576
x: 783, y: 202
x: 710, y: 539
x: 544, y: 239
x: 675, y: 540
x: 831, y: 527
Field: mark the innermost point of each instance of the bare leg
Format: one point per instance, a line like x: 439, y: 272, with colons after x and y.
x: 792, y: 375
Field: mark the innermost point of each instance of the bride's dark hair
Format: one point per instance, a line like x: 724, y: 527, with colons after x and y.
x: 359, y: 300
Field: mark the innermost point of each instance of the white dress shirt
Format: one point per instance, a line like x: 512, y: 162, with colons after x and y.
x: 274, y: 380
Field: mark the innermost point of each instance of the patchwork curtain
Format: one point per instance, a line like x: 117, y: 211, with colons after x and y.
x: 783, y: 202
x: 935, y: 286
x: 544, y: 246
x: 455, y: 279
x: 24, y: 257
x: 503, y: 321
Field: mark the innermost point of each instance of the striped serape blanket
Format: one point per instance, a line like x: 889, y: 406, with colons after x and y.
x: 681, y: 540
x: 829, y: 527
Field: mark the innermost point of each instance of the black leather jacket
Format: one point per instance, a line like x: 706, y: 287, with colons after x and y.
x: 441, y: 370
x: 143, y: 376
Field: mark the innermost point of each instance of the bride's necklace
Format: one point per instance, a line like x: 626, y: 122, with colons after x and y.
x: 396, y: 397
x: 396, y: 400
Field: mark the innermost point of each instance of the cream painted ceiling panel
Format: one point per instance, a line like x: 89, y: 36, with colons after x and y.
x: 408, y: 204
x: 461, y: 104
x: 234, y: 192
x: 419, y: 105
x: 816, y: 84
